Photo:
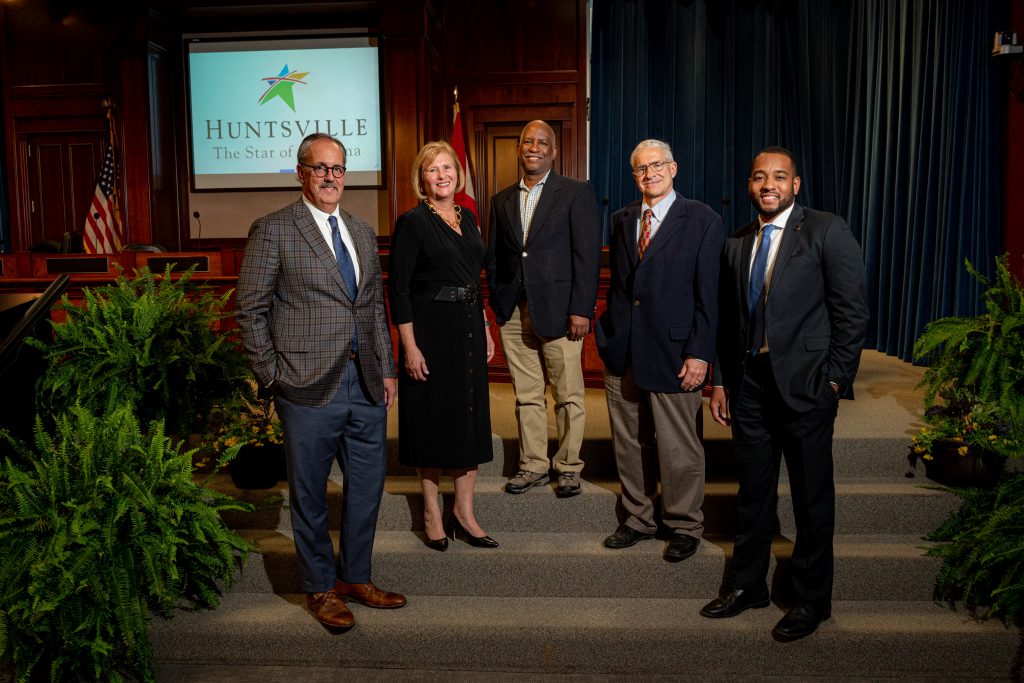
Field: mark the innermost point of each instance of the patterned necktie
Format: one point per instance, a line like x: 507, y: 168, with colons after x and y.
x: 645, y: 234
x: 348, y: 271
x: 756, y: 295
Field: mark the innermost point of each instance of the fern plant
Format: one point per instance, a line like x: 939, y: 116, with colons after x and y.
x: 103, y: 527
x: 980, y: 357
x: 149, y: 342
x: 982, y: 551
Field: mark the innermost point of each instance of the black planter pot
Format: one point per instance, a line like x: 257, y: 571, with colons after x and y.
x: 977, y: 467
x: 258, y: 466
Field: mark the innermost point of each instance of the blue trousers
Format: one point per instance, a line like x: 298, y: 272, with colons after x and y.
x: 353, y: 429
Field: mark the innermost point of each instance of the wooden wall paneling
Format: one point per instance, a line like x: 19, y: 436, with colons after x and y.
x: 513, y: 36
x: 405, y: 134
x: 413, y: 100
x: 50, y: 43
x: 132, y: 115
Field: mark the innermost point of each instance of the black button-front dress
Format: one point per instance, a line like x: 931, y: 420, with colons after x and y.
x: 445, y: 421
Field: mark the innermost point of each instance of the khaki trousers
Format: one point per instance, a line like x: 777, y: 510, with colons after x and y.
x: 531, y: 356
x: 656, y: 433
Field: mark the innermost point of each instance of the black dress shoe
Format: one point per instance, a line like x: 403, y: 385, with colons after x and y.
x: 801, y: 621
x: 681, y: 547
x: 624, y: 537
x: 734, y: 602
x: 476, y: 541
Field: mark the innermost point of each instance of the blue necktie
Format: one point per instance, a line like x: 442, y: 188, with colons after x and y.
x: 348, y: 271
x: 755, y: 297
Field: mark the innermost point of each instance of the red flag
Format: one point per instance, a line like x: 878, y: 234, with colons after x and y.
x: 102, y: 233
x: 466, y: 198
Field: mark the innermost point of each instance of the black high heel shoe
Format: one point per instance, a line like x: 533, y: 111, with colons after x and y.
x: 439, y: 544
x: 455, y: 527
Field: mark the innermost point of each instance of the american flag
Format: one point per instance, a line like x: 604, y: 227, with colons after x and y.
x: 103, y: 224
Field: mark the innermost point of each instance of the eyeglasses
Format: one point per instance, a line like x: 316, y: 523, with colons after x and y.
x: 653, y: 167
x: 320, y: 171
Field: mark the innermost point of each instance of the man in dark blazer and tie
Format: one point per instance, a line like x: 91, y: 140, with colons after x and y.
x: 793, y: 319
x: 545, y: 242
x: 657, y: 337
x: 311, y: 310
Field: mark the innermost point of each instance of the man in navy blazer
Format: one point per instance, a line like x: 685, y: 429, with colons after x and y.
x: 657, y: 337
x: 794, y: 317
x: 325, y: 352
x: 545, y: 242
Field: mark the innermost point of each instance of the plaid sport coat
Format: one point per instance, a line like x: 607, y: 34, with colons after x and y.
x: 296, y: 315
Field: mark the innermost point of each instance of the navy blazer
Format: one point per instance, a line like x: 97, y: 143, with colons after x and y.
x: 816, y: 312
x: 663, y: 309
x: 559, y: 264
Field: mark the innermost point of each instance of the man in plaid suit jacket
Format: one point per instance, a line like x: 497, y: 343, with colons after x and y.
x: 325, y: 352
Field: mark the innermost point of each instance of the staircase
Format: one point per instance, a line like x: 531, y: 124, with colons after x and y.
x: 552, y: 600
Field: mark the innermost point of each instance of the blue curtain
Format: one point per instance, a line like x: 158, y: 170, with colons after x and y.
x: 891, y: 107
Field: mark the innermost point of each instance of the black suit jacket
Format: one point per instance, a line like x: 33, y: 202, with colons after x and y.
x: 663, y: 309
x: 559, y: 264
x: 816, y: 312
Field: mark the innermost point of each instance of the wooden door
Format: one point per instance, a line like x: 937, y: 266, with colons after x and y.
x: 62, y: 172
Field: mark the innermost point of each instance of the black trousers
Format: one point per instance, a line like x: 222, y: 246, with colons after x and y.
x: 763, y: 430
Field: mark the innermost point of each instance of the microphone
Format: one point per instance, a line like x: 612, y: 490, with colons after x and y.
x: 199, y: 240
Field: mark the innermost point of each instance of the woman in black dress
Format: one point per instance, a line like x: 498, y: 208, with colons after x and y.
x: 444, y: 419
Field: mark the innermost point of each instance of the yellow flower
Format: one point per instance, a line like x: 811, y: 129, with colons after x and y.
x: 962, y: 450
x: 919, y: 449
x: 927, y: 456
x: 992, y: 437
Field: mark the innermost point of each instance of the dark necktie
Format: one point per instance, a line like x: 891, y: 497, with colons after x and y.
x: 348, y: 271
x: 756, y: 295
x: 645, y: 234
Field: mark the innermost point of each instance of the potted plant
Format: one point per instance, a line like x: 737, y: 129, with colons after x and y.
x: 100, y: 528
x: 150, y: 342
x: 982, y: 551
x: 250, y: 424
x: 974, y: 384
x: 963, y: 441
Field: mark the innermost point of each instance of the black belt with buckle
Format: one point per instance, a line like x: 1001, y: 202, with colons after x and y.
x: 456, y: 294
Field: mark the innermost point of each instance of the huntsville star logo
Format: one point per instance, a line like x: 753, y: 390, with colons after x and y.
x: 281, y: 86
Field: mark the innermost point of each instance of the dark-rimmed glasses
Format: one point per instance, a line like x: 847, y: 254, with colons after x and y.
x: 320, y: 171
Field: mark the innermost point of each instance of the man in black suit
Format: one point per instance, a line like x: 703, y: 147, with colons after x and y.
x: 545, y: 237
x: 656, y: 338
x: 793, y: 318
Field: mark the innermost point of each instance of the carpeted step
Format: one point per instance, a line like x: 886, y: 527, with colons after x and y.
x: 860, y: 456
x: 870, y: 506
x: 578, y: 565
x: 632, y: 636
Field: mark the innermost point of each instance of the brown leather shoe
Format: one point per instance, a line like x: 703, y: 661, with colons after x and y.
x: 330, y: 610
x: 369, y: 595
